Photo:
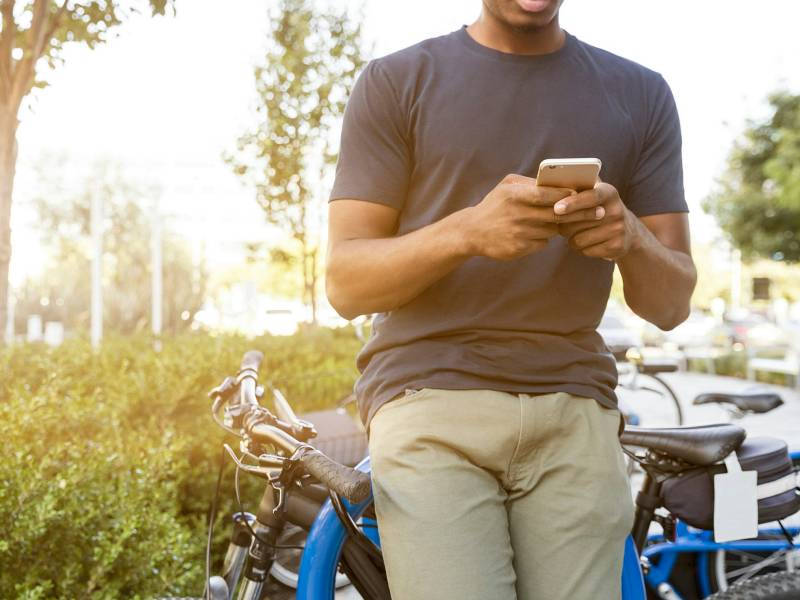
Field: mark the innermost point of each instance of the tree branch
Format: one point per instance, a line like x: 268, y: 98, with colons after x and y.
x: 37, y: 38
x: 7, y: 37
x: 54, y: 23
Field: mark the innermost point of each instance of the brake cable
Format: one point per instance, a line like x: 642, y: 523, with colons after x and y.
x: 353, y: 530
x: 247, y: 522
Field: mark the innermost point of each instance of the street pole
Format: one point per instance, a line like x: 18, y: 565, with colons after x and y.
x: 157, y: 274
x: 97, y: 271
x: 736, y: 278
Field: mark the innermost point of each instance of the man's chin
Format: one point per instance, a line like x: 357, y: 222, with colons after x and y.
x: 531, y: 14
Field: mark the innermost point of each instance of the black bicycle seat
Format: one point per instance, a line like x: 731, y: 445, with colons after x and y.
x: 701, y: 446
x: 653, y: 368
x: 756, y: 402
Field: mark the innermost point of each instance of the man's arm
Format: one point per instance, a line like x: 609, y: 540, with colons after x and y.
x: 658, y: 272
x: 369, y: 269
x: 653, y: 253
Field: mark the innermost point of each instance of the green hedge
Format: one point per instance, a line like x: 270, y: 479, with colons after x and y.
x: 110, y: 458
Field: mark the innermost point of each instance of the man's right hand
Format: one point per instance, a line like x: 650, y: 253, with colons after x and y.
x: 516, y: 218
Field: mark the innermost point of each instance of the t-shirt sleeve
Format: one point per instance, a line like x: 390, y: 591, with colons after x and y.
x: 374, y: 158
x: 656, y: 184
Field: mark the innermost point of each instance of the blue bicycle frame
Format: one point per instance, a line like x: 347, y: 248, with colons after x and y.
x: 324, y: 546
x: 702, y: 542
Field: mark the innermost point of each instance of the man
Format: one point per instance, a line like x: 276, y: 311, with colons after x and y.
x: 487, y: 392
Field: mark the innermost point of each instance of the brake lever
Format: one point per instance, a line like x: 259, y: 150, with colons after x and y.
x: 302, y: 432
x: 285, y: 478
x: 224, y: 389
x: 235, y: 413
x: 298, y: 428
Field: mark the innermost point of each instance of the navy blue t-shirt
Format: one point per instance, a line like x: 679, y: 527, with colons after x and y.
x: 430, y: 130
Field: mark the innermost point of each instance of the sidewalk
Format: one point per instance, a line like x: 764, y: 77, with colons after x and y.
x: 783, y: 422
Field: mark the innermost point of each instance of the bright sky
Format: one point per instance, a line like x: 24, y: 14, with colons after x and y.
x: 170, y: 95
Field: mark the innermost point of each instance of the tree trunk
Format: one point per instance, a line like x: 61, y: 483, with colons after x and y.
x: 8, y: 160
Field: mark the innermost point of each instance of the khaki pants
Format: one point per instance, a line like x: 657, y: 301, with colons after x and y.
x: 490, y: 495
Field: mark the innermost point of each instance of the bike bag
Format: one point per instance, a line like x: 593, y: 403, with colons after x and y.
x: 689, y: 495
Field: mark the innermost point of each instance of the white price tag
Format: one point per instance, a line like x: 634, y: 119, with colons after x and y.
x: 735, y: 503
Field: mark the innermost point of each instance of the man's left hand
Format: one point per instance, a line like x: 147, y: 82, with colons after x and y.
x: 610, y: 237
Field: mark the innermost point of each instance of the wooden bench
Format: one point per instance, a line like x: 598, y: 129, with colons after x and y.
x: 788, y: 365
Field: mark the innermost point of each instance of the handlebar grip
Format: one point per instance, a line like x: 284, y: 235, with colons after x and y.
x: 354, y: 485
x: 252, y: 360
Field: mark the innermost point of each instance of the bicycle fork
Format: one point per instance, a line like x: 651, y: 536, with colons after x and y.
x: 237, y: 552
x: 250, y: 554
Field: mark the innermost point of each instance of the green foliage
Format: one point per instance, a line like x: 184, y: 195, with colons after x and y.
x: 39, y: 29
x: 110, y: 458
x: 64, y: 222
x: 311, y: 63
x: 757, y: 202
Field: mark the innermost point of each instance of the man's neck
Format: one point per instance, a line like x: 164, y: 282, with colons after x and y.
x: 490, y: 32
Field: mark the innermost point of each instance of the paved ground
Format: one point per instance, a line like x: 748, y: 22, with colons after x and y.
x: 783, y: 422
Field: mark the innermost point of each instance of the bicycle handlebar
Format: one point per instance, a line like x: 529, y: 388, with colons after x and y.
x: 349, y: 483
x: 345, y: 481
x: 251, y: 361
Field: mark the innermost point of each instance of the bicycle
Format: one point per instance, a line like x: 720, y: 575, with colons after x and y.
x: 722, y: 567
x: 664, y: 412
x: 334, y: 503
x: 300, y: 479
x: 696, y: 566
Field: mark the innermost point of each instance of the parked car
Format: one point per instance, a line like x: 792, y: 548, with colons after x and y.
x: 699, y: 330
x: 618, y: 336
x: 754, y: 330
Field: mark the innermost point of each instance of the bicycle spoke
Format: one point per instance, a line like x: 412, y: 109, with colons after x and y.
x: 748, y: 571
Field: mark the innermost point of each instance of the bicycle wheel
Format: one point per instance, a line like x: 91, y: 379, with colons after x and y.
x: 775, y: 586
x: 651, y: 400
x: 727, y: 567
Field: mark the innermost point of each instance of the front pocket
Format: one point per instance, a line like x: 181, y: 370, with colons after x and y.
x: 413, y: 392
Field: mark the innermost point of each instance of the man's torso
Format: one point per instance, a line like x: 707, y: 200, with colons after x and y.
x: 470, y: 115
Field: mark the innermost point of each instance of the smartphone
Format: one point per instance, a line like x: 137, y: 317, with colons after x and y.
x: 573, y: 173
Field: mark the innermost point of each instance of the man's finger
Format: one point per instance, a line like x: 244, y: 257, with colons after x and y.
x: 592, y: 236
x: 600, y: 194
x: 533, y: 195
x: 604, y: 251
x: 545, y: 214
x: 580, y: 201
x: 521, y: 179
x: 570, y: 229
x: 591, y: 215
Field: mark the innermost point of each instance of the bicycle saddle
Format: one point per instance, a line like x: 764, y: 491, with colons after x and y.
x: 653, y: 368
x: 756, y: 402
x: 701, y: 446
